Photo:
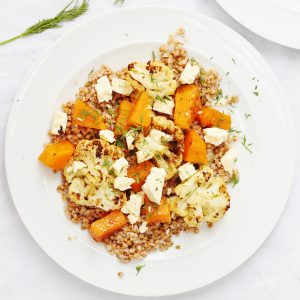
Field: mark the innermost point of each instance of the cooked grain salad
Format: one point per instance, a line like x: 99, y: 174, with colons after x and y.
x: 145, y: 152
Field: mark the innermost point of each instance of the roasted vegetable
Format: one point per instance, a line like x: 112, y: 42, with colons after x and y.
x: 57, y: 155
x: 139, y: 173
x: 87, y: 116
x: 209, y: 117
x: 202, y: 197
x: 157, y: 213
x: 106, y: 226
x: 172, y: 158
x: 156, y: 77
x: 125, y: 110
x: 141, y: 112
x: 90, y: 175
x: 187, y: 104
x: 194, y: 148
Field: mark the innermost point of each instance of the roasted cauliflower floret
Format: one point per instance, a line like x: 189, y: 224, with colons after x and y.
x: 173, y: 158
x: 164, y: 144
x: 202, y: 197
x: 155, y: 77
x: 90, y: 172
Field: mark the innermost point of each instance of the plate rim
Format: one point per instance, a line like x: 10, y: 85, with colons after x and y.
x: 280, y: 40
x: 47, y: 52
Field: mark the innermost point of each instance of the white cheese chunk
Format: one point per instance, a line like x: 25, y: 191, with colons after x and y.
x: 120, y: 167
x: 121, y: 86
x: 132, y: 207
x: 103, y: 89
x: 59, y: 123
x: 130, y: 137
x: 164, y: 106
x: 229, y: 159
x: 143, y: 228
x: 123, y: 183
x: 189, y: 73
x: 215, y: 136
x: 154, y: 183
x: 186, y: 171
x: 107, y: 135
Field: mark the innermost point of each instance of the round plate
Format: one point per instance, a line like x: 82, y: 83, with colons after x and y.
x: 275, y: 20
x: 257, y: 201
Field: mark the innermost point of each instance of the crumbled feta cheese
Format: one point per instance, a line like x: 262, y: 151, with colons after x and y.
x: 154, y: 183
x: 189, y: 73
x: 130, y: 137
x: 160, y: 136
x: 107, y: 135
x: 59, y: 123
x: 228, y: 160
x: 123, y: 183
x: 121, y: 86
x: 164, y: 106
x: 215, y: 136
x: 186, y: 171
x: 132, y: 207
x: 143, y: 227
x: 120, y: 167
x: 103, y: 89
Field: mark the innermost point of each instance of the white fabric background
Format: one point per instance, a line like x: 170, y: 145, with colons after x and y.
x: 27, y: 273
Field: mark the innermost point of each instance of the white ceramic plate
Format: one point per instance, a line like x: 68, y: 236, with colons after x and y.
x: 275, y: 20
x: 257, y: 201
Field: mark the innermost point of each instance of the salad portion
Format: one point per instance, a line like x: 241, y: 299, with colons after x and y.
x: 145, y: 152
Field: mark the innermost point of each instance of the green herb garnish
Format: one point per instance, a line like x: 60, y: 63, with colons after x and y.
x: 233, y: 60
x: 119, y: 2
x: 247, y: 116
x: 139, y: 268
x: 256, y: 93
x: 153, y: 56
x: 67, y: 14
x: 246, y: 144
x: 233, y: 130
x: 120, y: 143
x: 235, y: 179
x: 92, y: 70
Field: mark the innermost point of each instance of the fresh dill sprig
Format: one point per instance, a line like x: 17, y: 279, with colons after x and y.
x: 153, y: 56
x: 139, y: 268
x: 67, y: 14
x: 246, y: 144
x: 235, y: 179
x: 119, y: 2
x: 233, y: 130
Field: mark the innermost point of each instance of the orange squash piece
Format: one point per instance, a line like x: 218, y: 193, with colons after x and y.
x: 194, y: 148
x: 139, y: 173
x: 187, y: 104
x: 141, y: 112
x: 87, y: 116
x: 57, y: 155
x: 158, y: 213
x: 106, y: 226
x: 210, y: 117
x: 125, y: 110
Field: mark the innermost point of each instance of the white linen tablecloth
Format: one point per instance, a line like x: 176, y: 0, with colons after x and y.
x: 26, y: 272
